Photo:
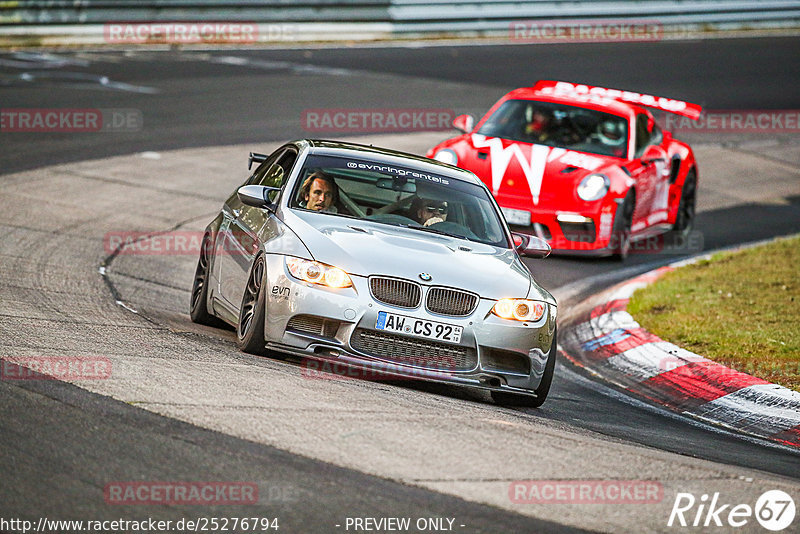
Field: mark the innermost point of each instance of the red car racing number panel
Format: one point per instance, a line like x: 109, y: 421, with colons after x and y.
x: 412, y: 326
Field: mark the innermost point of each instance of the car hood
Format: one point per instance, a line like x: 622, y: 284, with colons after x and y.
x: 528, y: 172
x: 365, y: 248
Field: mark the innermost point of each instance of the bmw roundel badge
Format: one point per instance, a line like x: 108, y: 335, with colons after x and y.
x: 425, y: 277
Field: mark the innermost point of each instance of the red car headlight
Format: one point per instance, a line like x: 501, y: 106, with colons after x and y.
x: 593, y: 187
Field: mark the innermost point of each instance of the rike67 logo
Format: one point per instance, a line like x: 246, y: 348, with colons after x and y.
x: 774, y: 510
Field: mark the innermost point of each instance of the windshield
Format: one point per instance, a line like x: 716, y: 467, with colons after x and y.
x: 559, y: 125
x: 399, y: 196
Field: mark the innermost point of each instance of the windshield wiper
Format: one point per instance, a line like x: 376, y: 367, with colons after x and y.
x: 434, y: 231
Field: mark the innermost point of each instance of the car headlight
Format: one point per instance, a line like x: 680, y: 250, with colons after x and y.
x: 519, y: 309
x: 593, y: 187
x: 315, y: 272
x: 446, y: 156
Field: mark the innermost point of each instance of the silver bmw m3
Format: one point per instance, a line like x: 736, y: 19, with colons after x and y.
x: 381, y: 261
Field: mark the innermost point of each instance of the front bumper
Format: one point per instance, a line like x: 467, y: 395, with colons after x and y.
x: 575, y: 232
x: 340, y: 326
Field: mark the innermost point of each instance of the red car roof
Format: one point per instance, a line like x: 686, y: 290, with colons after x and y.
x: 607, y: 105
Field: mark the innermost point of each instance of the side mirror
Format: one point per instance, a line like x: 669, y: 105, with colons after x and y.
x: 464, y: 123
x: 257, y: 196
x: 652, y: 154
x: 530, y: 245
x: 255, y: 157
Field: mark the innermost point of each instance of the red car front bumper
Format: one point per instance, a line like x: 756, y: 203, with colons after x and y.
x: 567, y: 232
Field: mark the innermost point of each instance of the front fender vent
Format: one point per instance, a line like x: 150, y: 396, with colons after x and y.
x: 310, y: 324
x: 675, y: 169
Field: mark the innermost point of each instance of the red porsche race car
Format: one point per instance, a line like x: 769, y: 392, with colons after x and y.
x: 585, y: 168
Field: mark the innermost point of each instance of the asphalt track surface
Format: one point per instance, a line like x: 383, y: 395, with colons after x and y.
x: 57, y: 439
x: 211, y: 98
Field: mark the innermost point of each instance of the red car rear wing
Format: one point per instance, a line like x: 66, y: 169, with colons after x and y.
x: 549, y: 87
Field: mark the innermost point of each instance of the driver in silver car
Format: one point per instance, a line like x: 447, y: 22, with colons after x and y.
x: 320, y: 192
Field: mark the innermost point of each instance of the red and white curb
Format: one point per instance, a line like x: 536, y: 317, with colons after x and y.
x: 605, y: 339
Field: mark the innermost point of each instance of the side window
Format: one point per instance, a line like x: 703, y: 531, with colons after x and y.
x: 274, y: 171
x: 642, y: 134
x: 657, y: 136
x: 261, y: 170
x: 273, y: 177
x: 278, y: 172
x: 277, y: 176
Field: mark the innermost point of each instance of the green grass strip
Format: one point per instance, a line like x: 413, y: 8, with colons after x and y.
x: 740, y: 309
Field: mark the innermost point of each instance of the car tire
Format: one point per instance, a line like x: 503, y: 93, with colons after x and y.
x: 684, y: 221
x: 250, y: 327
x: 511, y: 399
x: 621, y: 233
x: 198, y: 306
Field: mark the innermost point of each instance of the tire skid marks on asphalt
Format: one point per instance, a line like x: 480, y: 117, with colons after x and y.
x: 76, y: 80
x: 756, y: 408
x: 274, y: 65
x: 788, y: 437
x: 608, y: 341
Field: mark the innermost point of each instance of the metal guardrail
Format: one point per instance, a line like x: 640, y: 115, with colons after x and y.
x: 101, y: 11
x: 82, y: 21
x: 396, y: 11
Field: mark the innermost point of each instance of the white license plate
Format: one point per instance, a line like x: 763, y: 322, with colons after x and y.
x: 411, y: 326
x: 520, y: 217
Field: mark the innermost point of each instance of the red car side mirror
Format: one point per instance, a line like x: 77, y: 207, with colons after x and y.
x: 464, y: 123
x: 652, y: 154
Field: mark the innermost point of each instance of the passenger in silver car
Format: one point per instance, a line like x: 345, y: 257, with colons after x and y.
x: 427, y: 212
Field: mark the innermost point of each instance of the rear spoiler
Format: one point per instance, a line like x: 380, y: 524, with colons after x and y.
x: 548, y: 87
x: 255, y: 157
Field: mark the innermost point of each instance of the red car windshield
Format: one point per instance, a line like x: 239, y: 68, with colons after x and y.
x: 559, y: 125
